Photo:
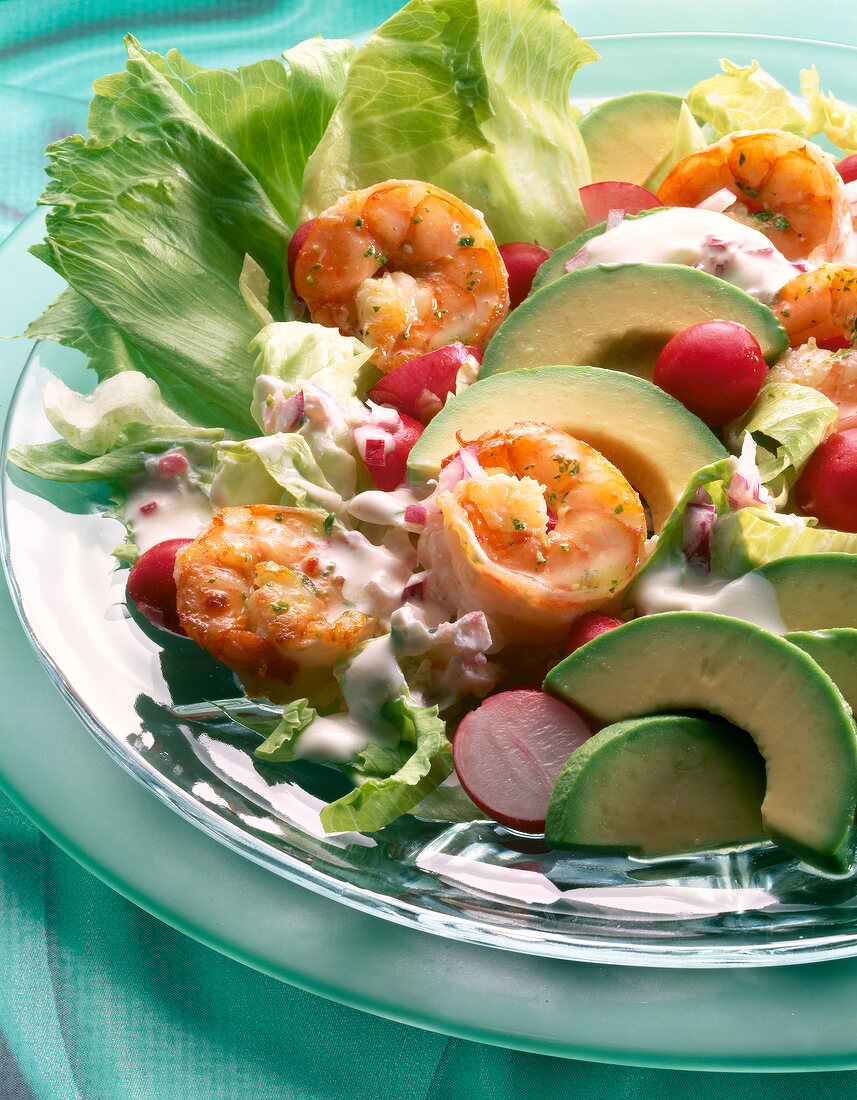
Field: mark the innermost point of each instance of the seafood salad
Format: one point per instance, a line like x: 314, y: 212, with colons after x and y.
x: 510, y: 467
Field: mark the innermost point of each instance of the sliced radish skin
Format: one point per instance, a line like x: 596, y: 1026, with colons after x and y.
x: 599, y: 200
x: 587, y: 627
x: 510, y: 750
x: 151, y: 584
x: 420, y: 387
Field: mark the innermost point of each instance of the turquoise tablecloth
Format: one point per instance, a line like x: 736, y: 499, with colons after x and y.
x: 98, y: 999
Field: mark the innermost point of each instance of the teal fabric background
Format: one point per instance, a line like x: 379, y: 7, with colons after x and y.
x: 99, y: 1000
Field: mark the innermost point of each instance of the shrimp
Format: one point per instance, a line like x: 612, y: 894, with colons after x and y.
x: 261, y: 590
x: 833, y: 373
x: 406, y: 268
x: 782, y: 184
x: 551, y: 530
x: 821, y: 304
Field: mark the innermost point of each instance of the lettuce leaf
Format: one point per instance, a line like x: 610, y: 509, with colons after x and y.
x: 787, y: 421
x: 109, y: 433
x: 278, y: 469
x: 749, y: 537
x: 184, y: 173
x: 745, y: 97
x: 470, y: 95
x: 393, y: 781
x: 278, y: 747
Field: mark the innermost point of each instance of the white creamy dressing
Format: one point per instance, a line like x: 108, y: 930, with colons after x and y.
x: 335, y: 738
x: 374, y: 576
x: 673, y: 587
x: 385, y: 509
x: 694, y: 237
x: 159, y: 508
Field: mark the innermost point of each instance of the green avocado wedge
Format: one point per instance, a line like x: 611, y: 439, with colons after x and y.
x: 659, y: 785
x: 814, y: 591
x: 757, y: 681
x: 836, y: 652
x: 648, y: 435
x: 620, y: 316
x: 630, y: 136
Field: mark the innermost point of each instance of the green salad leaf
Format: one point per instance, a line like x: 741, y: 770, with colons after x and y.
x: 110, y: 433
x: 787, y: 421
x: 473, y: 96
x: 279, y: 746
x: 185, y: 172
x: 393, y: 780
x: 745, y: 97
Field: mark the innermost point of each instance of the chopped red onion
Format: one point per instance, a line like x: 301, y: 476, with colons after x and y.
x: 578, y: 260
x: 614, y: 218
x: 472, y: 469
x: 291, y: 412
x: 149, y: 507
x: 172, y: 464
x: 415, y: 589
x: 375, y: 452
x: 745, y: 489
x: 552, y: 518
x: 718, y: 202
x: 416, y: 514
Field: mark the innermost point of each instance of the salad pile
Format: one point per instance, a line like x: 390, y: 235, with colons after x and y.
x: 509, y: 450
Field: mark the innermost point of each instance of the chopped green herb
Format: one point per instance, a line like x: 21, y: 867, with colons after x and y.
x: 329, y: 520
x: 467, y: 242
x: 518, y: 524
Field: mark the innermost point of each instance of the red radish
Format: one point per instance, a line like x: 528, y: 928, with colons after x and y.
x: 847, y: 168
x: 827, y: 488
x: 421, y: 386
x: 715, y: 369
x: 152, y: 587
x: 510, y: 750
x: 598, y: 199
x: 385, y: 452
x: 587, y: 627
x: 522, y: 260
x: 295, y: 245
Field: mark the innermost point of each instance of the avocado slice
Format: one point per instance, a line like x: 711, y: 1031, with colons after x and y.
x: 652, y: 438
x: 657, y: 785
x: 836, y: 652
x: 814, y: 591
x: 630, y: 137
x: 758, y: 682
x: 619, y: 316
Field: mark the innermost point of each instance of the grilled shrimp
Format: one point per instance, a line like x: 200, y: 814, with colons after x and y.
x: 833, y: 373
x: 405, y: 267
x: 264, y: 590
x: 550, y: 530
x: 820, y: 304
x: 783, y: 185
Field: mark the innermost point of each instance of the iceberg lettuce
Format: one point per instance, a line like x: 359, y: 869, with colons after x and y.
x: 184, y: 173
x: 471, y: 95
x: 745, y: 97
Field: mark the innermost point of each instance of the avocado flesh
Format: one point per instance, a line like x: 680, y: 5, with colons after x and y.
x: 836, y: 652
x: 755, y: 680
x: 629, y: 136
x: 659, y: 785
x: 814, y: 591
x: 648, y: 435
x: 620, y: 316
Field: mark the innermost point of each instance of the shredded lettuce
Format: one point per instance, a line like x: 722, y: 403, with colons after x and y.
x: 749, y: 537
x: 470, y: 95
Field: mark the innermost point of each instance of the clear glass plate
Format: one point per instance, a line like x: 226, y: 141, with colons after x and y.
x: 477, y: 882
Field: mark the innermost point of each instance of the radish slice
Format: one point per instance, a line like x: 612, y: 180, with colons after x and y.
x: 510, y: 750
